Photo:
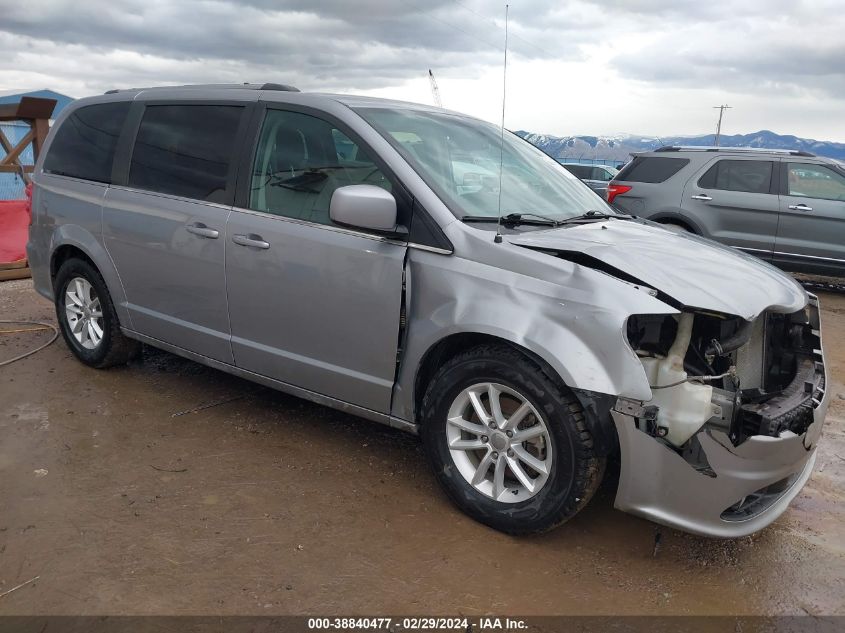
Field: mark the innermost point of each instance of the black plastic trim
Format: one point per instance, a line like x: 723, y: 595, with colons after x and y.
x: 426, y: 232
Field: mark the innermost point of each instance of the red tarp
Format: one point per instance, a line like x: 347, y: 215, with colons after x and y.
x: 14, y: 229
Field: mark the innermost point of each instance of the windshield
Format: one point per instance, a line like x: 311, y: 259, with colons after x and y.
x: 459, y: 158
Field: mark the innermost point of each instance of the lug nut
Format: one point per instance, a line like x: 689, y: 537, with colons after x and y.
x: 510, y: 452
x: 509, y: 433
x: 495, y: 456
x: 492, y: 425
x: 484, y: 438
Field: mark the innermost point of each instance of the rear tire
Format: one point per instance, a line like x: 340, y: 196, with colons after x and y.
x: 524, y: 469
x: 87, y: 318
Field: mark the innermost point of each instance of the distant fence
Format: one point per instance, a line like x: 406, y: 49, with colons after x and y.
x: 589, y: 161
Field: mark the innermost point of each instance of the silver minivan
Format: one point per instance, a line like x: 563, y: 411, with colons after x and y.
x: 407, y: 265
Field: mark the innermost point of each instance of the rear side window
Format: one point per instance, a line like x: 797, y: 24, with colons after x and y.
x: 185, y: 150
x: 750, y: 176
x: 85, y: 142
x: 652, y: 169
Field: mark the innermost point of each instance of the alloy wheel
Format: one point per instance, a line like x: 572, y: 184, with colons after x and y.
x: 499, y: 442
x: 84, y: 313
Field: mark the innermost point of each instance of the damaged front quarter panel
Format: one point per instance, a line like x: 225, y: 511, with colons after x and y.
x: 573, y: 311
x: 570, y: 316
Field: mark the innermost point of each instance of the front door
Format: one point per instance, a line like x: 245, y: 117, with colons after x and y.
x: 165, y: 228
x: 811, y: 233
x: 312, y: 304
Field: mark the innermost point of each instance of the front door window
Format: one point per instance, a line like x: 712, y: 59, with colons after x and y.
x: 299, y: 163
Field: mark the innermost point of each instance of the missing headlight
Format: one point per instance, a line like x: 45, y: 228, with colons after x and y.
x: 761, y: 376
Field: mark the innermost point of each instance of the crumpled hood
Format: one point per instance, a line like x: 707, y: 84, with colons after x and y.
x: 693, y: 271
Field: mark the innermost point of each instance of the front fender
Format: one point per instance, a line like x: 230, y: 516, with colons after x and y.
x: 576, y: 324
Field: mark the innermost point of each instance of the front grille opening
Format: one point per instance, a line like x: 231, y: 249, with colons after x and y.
x: 758, y: 502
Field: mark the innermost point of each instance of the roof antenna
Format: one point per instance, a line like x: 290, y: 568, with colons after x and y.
x: 498, y: 238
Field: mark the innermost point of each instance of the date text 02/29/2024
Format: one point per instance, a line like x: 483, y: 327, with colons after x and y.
x: 417, y: 624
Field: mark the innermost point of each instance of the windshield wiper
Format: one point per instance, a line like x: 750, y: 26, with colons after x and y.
x: 593, y: 214
x: 514, y: 219
x: 534, y: 218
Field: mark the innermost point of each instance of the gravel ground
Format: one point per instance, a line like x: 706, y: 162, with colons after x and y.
x: 122, y: 494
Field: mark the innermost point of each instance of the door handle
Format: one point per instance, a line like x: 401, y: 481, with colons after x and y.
x: 800, y: 207
x: 702, y: 196
x: 198, y: 228
x: 253, y: 240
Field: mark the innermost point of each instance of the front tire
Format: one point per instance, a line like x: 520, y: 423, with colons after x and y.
x: 507, y: 443
x: 87, y: 318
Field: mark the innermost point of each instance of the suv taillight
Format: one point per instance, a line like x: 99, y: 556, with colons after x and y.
x: 28, y: 204
x: 616, y: 190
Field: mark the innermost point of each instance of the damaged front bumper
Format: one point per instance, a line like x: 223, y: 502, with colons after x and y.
x: 743, y: 488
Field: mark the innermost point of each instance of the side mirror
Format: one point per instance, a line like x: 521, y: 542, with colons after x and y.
x: 364, y: 206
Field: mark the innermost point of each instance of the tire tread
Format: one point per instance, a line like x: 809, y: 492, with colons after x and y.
x: 121, y: 349
x: 590, y: 466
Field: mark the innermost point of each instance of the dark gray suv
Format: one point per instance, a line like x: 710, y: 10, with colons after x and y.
x: 786, y: 207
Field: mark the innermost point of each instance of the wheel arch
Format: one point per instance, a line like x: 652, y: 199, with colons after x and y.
x: 70, y: 241
x: 65, y: 252
x: 596, y: 405
x: 675, y: 217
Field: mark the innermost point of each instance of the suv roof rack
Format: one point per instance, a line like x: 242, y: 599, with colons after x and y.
x: 243, y: 86
x: 282, y: 87
x: 714, y: 148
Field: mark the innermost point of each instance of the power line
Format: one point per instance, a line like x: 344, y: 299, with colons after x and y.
x: 512, y: 35
x: 429, y: 14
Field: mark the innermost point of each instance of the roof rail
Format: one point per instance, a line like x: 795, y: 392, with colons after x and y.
x: 282, y: 87
x: 243, y: 86
x: 714, y: 148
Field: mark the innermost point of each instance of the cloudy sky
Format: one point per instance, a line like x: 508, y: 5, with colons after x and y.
x: 650, y: 67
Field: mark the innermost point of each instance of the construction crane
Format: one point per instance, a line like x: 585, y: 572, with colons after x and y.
x: 435, y: 91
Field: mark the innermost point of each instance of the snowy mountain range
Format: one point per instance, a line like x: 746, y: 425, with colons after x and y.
x: 619, y: 147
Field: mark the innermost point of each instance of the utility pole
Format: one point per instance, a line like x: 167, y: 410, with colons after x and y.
x: 721, y: 109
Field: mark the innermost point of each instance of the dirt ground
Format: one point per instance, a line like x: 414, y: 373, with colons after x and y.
x: 122, y: 495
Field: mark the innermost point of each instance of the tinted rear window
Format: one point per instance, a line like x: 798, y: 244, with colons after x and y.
x: 651, y: 169
x: 85, y: 142
x: 751, y: 176
x: 602, y: 173
x: 185, y: 150
x: 580, y: 171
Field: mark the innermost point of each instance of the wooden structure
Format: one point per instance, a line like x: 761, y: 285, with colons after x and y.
x: 35, y: 112
x: 14, y: 270
x: 14, y: 215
